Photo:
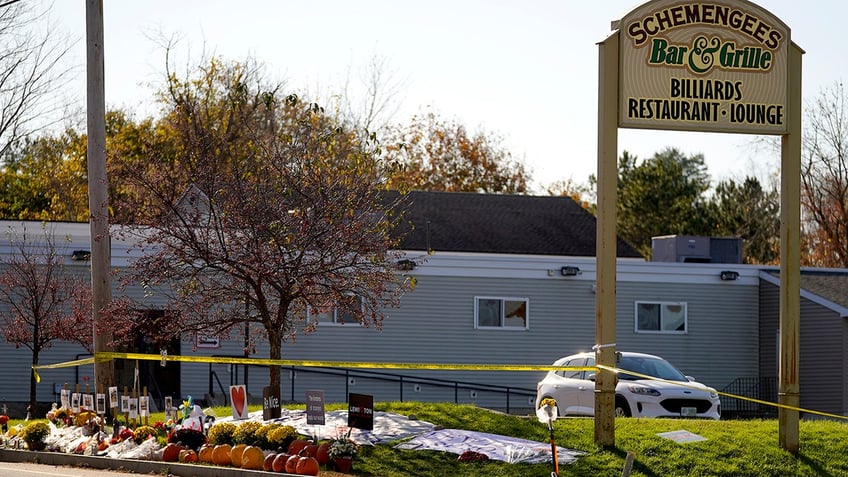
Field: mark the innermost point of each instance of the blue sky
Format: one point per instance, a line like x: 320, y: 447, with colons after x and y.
x: 526, y: 70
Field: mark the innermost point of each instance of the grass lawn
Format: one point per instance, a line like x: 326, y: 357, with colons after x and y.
x: 732, y: 448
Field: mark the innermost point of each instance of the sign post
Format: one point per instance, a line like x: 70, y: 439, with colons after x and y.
x: 722, y: 66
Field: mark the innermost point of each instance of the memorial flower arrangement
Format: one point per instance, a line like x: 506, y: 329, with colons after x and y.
x: 34, y: 434
x: 343, y: 447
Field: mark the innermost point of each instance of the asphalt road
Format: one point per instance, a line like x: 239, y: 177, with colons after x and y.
x: 26, y: 469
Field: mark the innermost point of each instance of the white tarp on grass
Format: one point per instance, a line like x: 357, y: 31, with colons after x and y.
x: 497, y: 447
x: 390, y: 427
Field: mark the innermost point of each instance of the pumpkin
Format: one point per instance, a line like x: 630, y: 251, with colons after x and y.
x: 235, y: 454
x: 252, y: 458
x: 221, y: 454
x: 188, y: 456
x: 171, y: 453
x: 307, y: 466
x: 268, y: 464
x: 322, y: 455
x: 291, y: 464
x: 297, y: 445
x: 310, y: 450
x: 205, y: 454
x: 279, y: 464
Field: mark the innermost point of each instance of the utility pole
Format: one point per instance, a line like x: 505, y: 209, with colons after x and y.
x: 98, y: 200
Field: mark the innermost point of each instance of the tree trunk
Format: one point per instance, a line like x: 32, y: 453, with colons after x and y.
x: 32, y: 383
x: 276, y: 352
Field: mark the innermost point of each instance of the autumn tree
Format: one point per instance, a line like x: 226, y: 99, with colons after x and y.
x: 31, y: 73
x: 43, y: 299
x: 45, y: 178
x: 581, y: 193
x: 435, y: 154
x: 283, y: 215
x: 824, y: 180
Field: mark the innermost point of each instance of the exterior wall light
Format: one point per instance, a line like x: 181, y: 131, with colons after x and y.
x: 729, y: 275
x: 405, y: 265
x: 569, y: 271
x: 81, y: 255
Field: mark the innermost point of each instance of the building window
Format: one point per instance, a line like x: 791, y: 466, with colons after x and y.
x: 660, y: 317
x: 504, y: 313
x: 341, y: 314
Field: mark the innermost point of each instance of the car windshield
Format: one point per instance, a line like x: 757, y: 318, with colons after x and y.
x: 655, y: 367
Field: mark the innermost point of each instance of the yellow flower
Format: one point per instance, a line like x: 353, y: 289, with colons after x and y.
x: 550, y: 402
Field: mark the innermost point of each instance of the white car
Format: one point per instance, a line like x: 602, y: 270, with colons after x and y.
x: 574, y: 391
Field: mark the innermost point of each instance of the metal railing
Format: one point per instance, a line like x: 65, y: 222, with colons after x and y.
x: 402, y: 380
x: 508, y: 393
x: 764, y: 389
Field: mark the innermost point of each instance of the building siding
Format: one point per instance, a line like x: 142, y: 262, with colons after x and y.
x: 822, y: 358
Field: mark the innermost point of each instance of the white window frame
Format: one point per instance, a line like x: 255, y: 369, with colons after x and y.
x: 315, y: 316
x: 502, y: 325
x: 663, y: 305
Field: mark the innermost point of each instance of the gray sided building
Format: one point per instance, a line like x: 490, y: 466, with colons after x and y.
x: 503, y: 280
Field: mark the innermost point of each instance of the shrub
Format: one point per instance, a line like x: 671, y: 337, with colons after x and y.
x: 222, y: 433
x: 281, y: 437
x: 246, y: 433
x: 142, y: 433
x: 34, y: 434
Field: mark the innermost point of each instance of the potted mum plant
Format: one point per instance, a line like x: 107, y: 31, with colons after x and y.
x: 34, y: 435
x: 342, y: 452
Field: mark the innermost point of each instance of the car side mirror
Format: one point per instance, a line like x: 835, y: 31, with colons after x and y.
x: 690, y: 378
x: 591, y: 377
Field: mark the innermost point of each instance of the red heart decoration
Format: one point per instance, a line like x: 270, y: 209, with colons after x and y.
x: 239, y: 399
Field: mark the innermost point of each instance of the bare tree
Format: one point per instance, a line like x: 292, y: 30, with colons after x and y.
x: 31, y: 73
x: 43, y: 299
x: 824, y: 180
x: 374, y: 109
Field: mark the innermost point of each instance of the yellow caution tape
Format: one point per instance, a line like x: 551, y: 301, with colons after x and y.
x: 107, y: 356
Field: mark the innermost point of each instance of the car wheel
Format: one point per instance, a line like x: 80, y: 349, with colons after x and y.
x: 622, y: 409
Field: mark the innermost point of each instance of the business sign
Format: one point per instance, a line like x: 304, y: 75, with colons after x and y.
x: 360, y: 411
x: 315, y: 408
x: 719, y: 66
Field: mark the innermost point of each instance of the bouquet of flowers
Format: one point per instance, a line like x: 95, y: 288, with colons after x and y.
x: 343, y: 447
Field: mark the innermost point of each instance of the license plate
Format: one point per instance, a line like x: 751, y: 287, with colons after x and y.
x: 688, y: 411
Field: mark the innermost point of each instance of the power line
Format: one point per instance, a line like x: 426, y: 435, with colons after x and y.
x: 8, y: 3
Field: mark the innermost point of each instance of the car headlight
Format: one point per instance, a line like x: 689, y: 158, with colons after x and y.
x: 642, y: 390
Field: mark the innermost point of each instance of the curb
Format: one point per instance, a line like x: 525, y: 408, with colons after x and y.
x: 131, y: 465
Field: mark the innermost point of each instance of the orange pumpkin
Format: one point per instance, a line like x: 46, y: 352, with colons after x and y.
x: 188, y: 456
x: 171, y: 453
x: 291, y: 464
x: 221, y: 454
x: 279, y: 464
x: 268, y: 464
x: 307, y: 466
x: 310, y: 450
x: 322, y: 455
x: 252, y: 458
x: 297, y: 445
x: 205, y: 454
x: 235, y: 454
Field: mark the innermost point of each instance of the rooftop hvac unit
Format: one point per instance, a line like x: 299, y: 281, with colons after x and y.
x: 693, y: 249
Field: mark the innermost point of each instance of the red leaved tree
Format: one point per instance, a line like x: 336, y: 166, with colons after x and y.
x: 266, y: 209
x: 43, y: 299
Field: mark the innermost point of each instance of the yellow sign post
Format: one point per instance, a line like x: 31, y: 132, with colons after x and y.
x: 720, y: 66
